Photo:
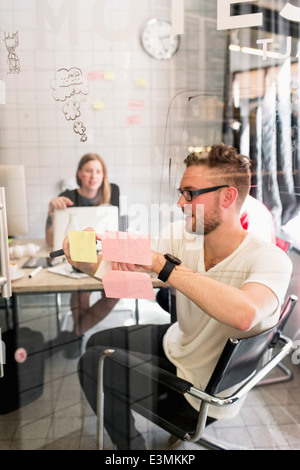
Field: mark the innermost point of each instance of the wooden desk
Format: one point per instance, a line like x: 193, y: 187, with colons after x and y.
x: 46, y: 282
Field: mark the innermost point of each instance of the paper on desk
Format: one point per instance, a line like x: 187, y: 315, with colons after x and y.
x: 66, y: 270
x: 127, y: 285
x: 83, y: 246
x: 126, y: 247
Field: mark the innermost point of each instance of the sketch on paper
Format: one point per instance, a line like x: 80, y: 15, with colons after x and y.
x: 66, y: 85
x: 11, y: 42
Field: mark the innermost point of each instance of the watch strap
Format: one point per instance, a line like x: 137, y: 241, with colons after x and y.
x: 166, y: 271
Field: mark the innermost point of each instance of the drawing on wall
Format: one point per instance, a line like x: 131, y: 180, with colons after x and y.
x: 11, y: 42
x: 66, y: 85
x: 79, y: 128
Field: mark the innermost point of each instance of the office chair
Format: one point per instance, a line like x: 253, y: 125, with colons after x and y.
x: 287, y: 374
x: 242, y: 361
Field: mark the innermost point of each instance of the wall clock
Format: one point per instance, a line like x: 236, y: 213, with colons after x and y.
x: 157, y: 39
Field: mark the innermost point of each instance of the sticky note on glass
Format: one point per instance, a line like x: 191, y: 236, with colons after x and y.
x: 126, y: 247
x: 83, y: 246
x: 133, y: 120
x: 98, y: 105
x: 136, y: 104
x: 141, y: 82
x: 95, y: 75
x: 127, y: 285
x: 109, y: 75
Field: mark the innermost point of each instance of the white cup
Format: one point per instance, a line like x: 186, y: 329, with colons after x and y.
x: 13, y: 267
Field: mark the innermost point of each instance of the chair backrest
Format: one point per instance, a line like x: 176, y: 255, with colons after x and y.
x: 115, y: 195
x: 286, y: 311
x: 240, y: 357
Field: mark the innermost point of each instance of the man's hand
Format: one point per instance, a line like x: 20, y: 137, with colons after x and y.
x: 158, y: 261
x: 138, y: 267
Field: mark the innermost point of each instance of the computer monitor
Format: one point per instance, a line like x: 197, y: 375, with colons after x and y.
x: 13, y: 180
x: 100, y: 218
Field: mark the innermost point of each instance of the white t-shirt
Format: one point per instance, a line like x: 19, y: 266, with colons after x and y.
x: 195, y: 342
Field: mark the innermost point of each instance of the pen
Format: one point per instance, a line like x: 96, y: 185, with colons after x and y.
x: 54, y: 254
x: 35, y: 271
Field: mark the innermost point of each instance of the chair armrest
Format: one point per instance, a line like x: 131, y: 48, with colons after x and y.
x: 248, y: 383
x: 182, y: 386
x: 132, y: 361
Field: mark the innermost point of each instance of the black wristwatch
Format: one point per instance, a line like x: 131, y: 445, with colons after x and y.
x: 171, y: 262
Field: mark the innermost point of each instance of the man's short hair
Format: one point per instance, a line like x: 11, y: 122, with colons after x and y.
x: 227, y: 167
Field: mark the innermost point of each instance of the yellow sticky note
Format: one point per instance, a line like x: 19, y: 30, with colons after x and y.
x: 141, y: 82
x: 99, y: 104
x: 109, y: 75
x: 83, y: 246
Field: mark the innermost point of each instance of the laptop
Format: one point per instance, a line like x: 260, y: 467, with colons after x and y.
x: 100, y: 218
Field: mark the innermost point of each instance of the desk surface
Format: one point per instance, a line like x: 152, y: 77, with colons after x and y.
x: 46, y: 281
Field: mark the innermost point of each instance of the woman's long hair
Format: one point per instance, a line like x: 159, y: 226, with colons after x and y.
x: 104, y: 192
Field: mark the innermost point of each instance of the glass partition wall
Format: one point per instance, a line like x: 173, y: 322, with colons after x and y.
x: 262, y: 105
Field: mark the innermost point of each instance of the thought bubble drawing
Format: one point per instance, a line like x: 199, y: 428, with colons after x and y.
x: 79, y: 128
x: 71, y: 110
x: 65, y: 85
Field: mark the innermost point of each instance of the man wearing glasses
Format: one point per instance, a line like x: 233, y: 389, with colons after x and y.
x: 229, y: 283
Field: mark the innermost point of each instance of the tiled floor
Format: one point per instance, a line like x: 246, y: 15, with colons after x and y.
x: 61, y: 419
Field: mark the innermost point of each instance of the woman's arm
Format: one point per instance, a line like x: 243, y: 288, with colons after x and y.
x: 60, y: 202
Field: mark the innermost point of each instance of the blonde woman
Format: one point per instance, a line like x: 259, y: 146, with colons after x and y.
x: 93, y: 189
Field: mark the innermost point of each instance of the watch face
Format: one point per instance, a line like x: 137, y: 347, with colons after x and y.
x: 172, y: 258
x: 157, y: 39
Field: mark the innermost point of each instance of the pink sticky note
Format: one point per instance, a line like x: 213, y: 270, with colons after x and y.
x: 133, y: 120
x: 136, y: 104
x: 126, y: 248
x: 95, y: 75
x: 127, y: 285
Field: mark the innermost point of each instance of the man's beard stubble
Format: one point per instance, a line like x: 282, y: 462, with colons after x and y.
x: 201, y: 224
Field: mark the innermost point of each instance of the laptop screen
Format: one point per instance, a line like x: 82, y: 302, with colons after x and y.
x: 100, y: 218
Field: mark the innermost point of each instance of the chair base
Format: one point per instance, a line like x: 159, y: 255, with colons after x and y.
x: 210, y: 444
x: 207, y: 443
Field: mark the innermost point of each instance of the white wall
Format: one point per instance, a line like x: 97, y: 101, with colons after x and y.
x: 133, y: 90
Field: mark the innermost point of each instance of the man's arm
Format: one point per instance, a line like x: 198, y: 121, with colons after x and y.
x: 241, y: 308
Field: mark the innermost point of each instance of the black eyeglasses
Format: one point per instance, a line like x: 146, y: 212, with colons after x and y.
x: 189, y: 194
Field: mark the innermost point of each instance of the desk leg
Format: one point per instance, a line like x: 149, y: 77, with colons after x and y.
x: 7, y: 303
x: 137, y: 311
x: 15, y: 310
x: 58, y: 311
